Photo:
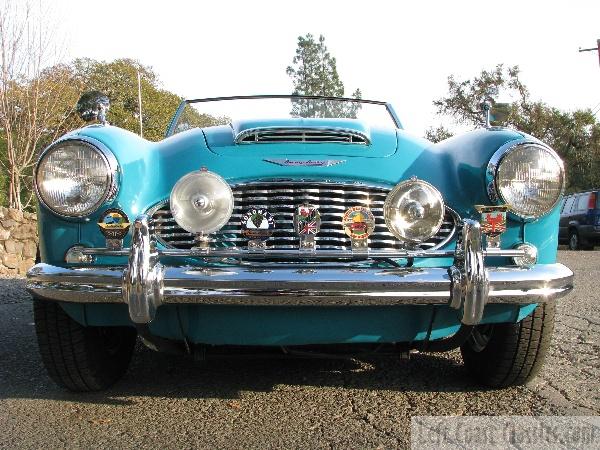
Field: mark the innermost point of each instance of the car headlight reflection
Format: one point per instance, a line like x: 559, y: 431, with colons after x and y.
x: 414, y: 211
x: 201, y: 202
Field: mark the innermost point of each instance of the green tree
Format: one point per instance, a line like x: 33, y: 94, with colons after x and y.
x: 574, y: 135
x: 314, y: 72
x: 118, y: 80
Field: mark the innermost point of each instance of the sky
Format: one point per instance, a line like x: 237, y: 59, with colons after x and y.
x: 401, y: 52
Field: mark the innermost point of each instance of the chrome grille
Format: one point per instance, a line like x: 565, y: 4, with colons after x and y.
x: 301, y: 135
x: 281, y: 199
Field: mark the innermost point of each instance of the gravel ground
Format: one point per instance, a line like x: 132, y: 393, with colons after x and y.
x: 169, y: 402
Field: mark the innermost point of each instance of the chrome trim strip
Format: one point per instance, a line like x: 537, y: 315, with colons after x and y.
x: 234, y: 252
x: 109, y: 159
x: 302, y: 287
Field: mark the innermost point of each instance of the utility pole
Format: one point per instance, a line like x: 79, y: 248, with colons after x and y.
x: 593, y: 49
x: 139, y: 77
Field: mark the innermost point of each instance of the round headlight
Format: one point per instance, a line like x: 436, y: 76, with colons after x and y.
x: 414, y: 211
x: 74, y: 178
x: 530, y: 179
x: 201, y: 202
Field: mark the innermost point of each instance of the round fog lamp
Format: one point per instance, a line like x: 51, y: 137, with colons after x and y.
x: 530, y: 256
x: 201, y: 202
x: 414, y: 211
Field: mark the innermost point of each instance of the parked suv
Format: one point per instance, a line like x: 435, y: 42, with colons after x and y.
x: 580, y: 220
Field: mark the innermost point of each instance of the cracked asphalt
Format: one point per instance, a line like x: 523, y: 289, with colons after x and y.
x: 171, y: 402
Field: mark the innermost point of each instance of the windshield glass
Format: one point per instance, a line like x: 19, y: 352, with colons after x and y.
x: 221, y: 111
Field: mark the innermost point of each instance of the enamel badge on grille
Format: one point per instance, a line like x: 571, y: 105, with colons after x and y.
x: 493, y: 222
x: 493, y: 219
x: 114, y: 224
x: 358, y: 222
x: 258, y: 224
x: 307, y: 220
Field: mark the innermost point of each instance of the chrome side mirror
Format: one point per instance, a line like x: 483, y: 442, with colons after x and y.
x: 92, y: 106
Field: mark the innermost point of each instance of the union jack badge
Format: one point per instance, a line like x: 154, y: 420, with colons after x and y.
x: 493, y: 219
x: 307, y: 220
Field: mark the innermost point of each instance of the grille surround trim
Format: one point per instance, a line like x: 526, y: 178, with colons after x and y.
x: 337, y: 239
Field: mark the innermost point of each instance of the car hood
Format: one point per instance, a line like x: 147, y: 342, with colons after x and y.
x: 301, y: 137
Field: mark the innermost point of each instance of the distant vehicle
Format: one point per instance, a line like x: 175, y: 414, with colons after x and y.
x: 580, y: 220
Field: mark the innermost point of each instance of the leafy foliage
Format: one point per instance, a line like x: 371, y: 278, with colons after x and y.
x: 54, y: 93
x: 574, y: 135
x: 118, y: 80
x: 314, y: 72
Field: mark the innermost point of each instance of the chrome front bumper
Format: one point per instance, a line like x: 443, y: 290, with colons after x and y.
x: 145, y: 283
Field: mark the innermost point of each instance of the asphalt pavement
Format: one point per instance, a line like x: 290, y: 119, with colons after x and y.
x: 172, y: 402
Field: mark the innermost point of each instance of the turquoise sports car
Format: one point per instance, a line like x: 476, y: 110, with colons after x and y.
x: 301, y: 224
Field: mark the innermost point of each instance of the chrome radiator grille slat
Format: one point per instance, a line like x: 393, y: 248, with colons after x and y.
x: 281, y: 199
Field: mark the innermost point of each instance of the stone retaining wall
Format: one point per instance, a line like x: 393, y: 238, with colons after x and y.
x: 18, y: 241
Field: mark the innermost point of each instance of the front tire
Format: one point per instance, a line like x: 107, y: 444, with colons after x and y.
x: 510, y: 354
x: 80, y: 358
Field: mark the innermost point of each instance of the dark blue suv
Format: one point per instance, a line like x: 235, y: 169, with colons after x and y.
x: 580, y: 220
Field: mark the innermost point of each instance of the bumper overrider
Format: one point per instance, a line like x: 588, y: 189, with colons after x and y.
x: 145, y: 283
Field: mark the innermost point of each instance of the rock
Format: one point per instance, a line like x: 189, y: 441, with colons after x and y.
x: 15, y: 214
x: 9, y: 223
x: 2, y: 212
x: 30, y: 216
x: 24, y: 232
x: 4, y: 234
x: 12, y: 246
x: 25, y: 265
x: 29, y: 249
x: 10, y: 260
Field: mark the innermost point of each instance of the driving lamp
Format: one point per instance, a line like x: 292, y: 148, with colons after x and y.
x: 201, y: 202
x: 530, y: 179
x: 74, y: 177
x: 414, y: 211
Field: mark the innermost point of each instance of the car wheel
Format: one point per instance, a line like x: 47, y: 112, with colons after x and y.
x: 81, y: 358
x: 573, y: 240
x: 509, y: 354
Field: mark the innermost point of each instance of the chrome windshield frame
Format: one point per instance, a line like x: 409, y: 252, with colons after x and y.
x: 182, y: 105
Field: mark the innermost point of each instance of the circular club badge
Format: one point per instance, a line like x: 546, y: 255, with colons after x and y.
x: 358, y: 222
x: 114, y: 224
x: 258, y: 223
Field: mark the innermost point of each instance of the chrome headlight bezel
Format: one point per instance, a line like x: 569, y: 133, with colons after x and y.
x: 394, y: 192
x: 494, y: 192
x: 112, y: 174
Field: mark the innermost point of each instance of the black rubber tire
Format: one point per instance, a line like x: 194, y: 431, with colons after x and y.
x: 514, y: 352
x: 80, y: 358
x: 574, y: 243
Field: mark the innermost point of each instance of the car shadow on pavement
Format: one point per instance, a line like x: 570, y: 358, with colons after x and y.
x: 154, y: 374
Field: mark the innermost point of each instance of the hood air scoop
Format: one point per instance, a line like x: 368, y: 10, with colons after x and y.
x: 304, y: 135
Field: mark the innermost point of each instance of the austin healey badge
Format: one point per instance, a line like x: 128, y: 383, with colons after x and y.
x: 258, y: 224
x: 493, y: 222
